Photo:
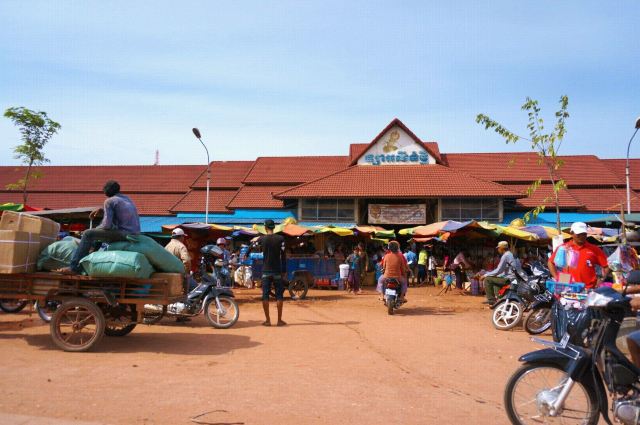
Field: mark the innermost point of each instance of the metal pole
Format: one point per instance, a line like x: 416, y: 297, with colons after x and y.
x: 206, y: 214
x: 627, y: 173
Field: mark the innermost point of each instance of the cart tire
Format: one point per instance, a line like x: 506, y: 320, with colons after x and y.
x: 12, y: 306
x: 298, y: 289
x: 225, y: 318
x: 123, y: 324
x: 78, y: 325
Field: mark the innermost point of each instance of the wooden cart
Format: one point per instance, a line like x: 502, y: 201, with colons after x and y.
x: 90, y: 306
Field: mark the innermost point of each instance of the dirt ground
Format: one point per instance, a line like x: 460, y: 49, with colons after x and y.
x: 341, y: 359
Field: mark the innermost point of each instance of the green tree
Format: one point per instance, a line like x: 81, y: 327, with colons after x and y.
x: 545, y: 145
x: 36, y: 129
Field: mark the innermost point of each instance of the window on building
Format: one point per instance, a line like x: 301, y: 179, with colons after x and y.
x: 327, y: 210
x: 470, y: 209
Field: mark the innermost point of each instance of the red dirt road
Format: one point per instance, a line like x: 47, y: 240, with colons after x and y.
x: 340, y: 360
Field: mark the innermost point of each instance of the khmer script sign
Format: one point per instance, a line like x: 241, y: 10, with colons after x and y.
x: 397, y: 214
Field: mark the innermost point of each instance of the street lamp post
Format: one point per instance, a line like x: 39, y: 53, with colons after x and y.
x: 196, y: 133
x: 627, y: 169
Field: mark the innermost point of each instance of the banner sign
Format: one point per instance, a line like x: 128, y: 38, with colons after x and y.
x: 397, y: 214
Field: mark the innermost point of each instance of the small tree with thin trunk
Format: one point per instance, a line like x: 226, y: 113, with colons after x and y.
x: 545, y: 145
x: 36, y: 129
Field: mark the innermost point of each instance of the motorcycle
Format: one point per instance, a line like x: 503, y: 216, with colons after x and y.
x: 391, y: 289
x: 213, y: 295
x: 566, y: 382
x: 44, y: 309
x: 541, y: 312
x: 517, y: 298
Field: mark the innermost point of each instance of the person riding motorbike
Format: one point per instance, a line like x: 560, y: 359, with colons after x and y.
x: 394, y: 266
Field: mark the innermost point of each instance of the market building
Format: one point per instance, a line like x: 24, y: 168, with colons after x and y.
x: 393, y: 181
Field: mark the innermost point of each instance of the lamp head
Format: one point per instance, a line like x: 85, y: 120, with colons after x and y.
x: 196, y: 132
x: 638, y: 123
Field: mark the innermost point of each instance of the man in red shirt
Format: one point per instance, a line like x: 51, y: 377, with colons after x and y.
x: 589, y: 256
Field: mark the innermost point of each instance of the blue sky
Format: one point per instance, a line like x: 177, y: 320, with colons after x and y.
x: 301, y: 77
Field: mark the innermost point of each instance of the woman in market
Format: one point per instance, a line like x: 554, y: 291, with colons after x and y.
x: 356, y: 267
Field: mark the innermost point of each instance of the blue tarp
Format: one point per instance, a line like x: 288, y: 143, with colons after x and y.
x: 549, y: 219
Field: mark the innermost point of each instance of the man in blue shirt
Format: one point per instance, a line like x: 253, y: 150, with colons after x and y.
x: 411, y: 258
x: 120, y: 219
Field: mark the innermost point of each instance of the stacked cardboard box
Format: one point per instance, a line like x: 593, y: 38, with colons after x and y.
x: 18, y: 251
x: 47, y: 230
x: 22, y: 237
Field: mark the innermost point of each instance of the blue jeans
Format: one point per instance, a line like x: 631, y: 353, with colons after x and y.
x: 89, y: 237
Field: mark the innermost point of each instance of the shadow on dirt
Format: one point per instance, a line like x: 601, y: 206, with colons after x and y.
x: 424, y: 311
x: 163, y: 343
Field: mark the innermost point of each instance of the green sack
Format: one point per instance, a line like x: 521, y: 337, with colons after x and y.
x: 117, y: 264
x: 161, y: 259
x: 58, y: 254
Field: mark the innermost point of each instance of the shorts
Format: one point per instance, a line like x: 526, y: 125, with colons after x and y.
x: 278, y: 284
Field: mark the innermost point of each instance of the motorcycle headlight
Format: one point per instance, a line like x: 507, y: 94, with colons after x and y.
x: 595, y: 299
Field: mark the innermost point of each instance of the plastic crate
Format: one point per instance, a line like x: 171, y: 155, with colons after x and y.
x: 559, y: 288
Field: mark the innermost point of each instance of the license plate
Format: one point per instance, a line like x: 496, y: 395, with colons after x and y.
x: 390, y: 292
x: 565, y: 340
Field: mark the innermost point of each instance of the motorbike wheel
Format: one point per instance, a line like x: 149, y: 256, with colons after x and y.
x: 153, y: 313
x: 121, y: 320
x: 507, y: 314
x: 46, y: 310
x: 390, y: 306
x: 535, y: 384
x: 298, y: 289
x: 12, y: 306
x: 226, y: 316
x: 538, y: 321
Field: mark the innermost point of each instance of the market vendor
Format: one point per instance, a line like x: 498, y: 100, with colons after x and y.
x: 177, y: 247
x: 583, y: 268
x: 120, y: 219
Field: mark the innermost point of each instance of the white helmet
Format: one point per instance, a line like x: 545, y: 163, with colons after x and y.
x: 177, y: 232
x: 221, y: 241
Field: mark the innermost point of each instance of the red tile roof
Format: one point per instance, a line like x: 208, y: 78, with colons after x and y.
x: 132, y: 178
x: 567, y: 200
x: 431, y: 147
x: 194, y: 201
x: 146, y: 203
x: 257, y: 197
x: 618, y: 166
x: 605, y: 199
x: 398, y: 181
x: 293, y: 169
x: 356, y: 150
x: 578, y: 170
x: 224, y: 174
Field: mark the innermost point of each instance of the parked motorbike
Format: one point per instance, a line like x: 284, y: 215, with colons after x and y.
x: 392, y: 289
x: 565, y: 383
x: 517, y: 298
x: 213, y: 295
x: 541, y: 312
x: 12, y: 306
x: 44, y: 309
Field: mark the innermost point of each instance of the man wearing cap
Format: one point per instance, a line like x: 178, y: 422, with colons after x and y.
x: 589, y: 256
x: 177, y: 247
x: 496, y: 279
x: 274, y: 270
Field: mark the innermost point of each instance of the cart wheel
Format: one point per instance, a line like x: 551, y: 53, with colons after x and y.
x: 121, y: 320
x: 298, y: 289
x: 78, y: 325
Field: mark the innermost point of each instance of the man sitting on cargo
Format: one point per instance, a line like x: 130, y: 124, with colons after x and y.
x: 120, y: 219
